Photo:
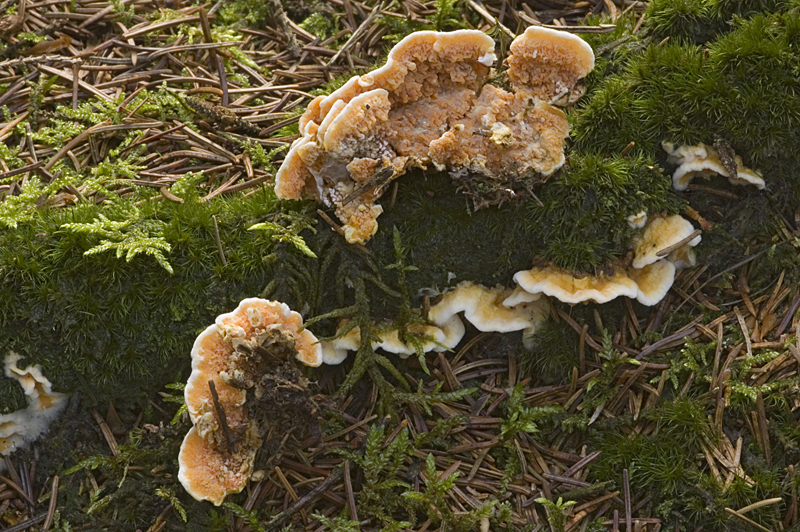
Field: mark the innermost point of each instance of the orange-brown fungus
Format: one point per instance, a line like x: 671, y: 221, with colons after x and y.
x: 217, y: 456
x: 549, y: 63
x: 431, y: 104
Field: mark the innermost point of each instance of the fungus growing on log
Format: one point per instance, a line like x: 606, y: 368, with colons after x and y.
x: 570, y: 288
x: 665, y: 244
x: 653, y: 281
x: 706, y: 161
x: 660, y: 234
x: 487, y: 309
x: 549, y: 63
x: 23, y: 426
x: 637, y: 221
x: 427, y: 337
x: 431, y: 104
x: 244, y: 384
x: 647, y: 285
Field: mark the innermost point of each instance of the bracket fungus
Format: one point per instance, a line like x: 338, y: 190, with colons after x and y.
x: 570, y: 288
x: 637, y: 221
x: 487, y: 309
x: 665, y: 244
x: 427, y: 337
x: 648, y: 285
x: 244, y: 383
x: 653, y: 281
x: 432, y: 104
x: 23, y: 426
x: 707, y: 161
x: 664, y: 233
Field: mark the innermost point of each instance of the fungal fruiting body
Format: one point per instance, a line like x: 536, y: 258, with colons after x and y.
x: 663, y: 233
x: 235, y: 360
x: 703, y: 160
x: 431, y: 104
x: 391, y: 340
x: 23, y: 426
x: 490, y: 309
x: 665, y: 244
x: 487, y: 309
x: 569, y: 288
x: 637, y: 221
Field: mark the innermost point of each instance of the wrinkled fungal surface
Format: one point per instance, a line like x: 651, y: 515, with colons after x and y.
x: 487, y: 309
x: 432, y: 105
x: 250, y: 355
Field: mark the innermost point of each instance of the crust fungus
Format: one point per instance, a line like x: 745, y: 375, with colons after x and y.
x: 637, y: 221
x: 647, y: 285
x: 28, y: 424
x: 488, y: 309
x: 706, y: 161
x: 431, y: 104
x: 665, y: 244
x: 549, y: 63
x: 682, y: 257
x: 664, y: 234
x: 519, y: 295
x: 245, y: 384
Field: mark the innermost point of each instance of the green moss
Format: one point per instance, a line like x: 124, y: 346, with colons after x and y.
x: 12, y: 394
x: 111, y: 328
x: 580, y: 224
x: 682, y: 19
x: 552, y: 354
x: 254, y: 12
x: 699, y: 21
x: 664, y: 465
x: 743, y: 87
x: 322, y: 26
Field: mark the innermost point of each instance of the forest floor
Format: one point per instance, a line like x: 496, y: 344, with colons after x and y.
x: 489, y: 454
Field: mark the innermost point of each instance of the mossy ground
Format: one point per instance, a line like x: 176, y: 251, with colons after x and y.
x: 701, y: 421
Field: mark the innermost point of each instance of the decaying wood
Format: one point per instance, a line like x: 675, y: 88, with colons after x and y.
x: 93, y: 52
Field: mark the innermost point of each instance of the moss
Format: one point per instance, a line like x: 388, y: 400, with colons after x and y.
x: 699, y: 21
x: 322, y: 26
x: 580, y: 224
x: 117, y: 329
x: 552, y: 355
x: 741, y: 86
x: 664, y: 465
x: 683, y: 19
x: 12, y: 394
x: 651, y: 461
x: 583, y: 216
x: 111, y: 328
x: 135, y: 486
x: 252, y: 11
